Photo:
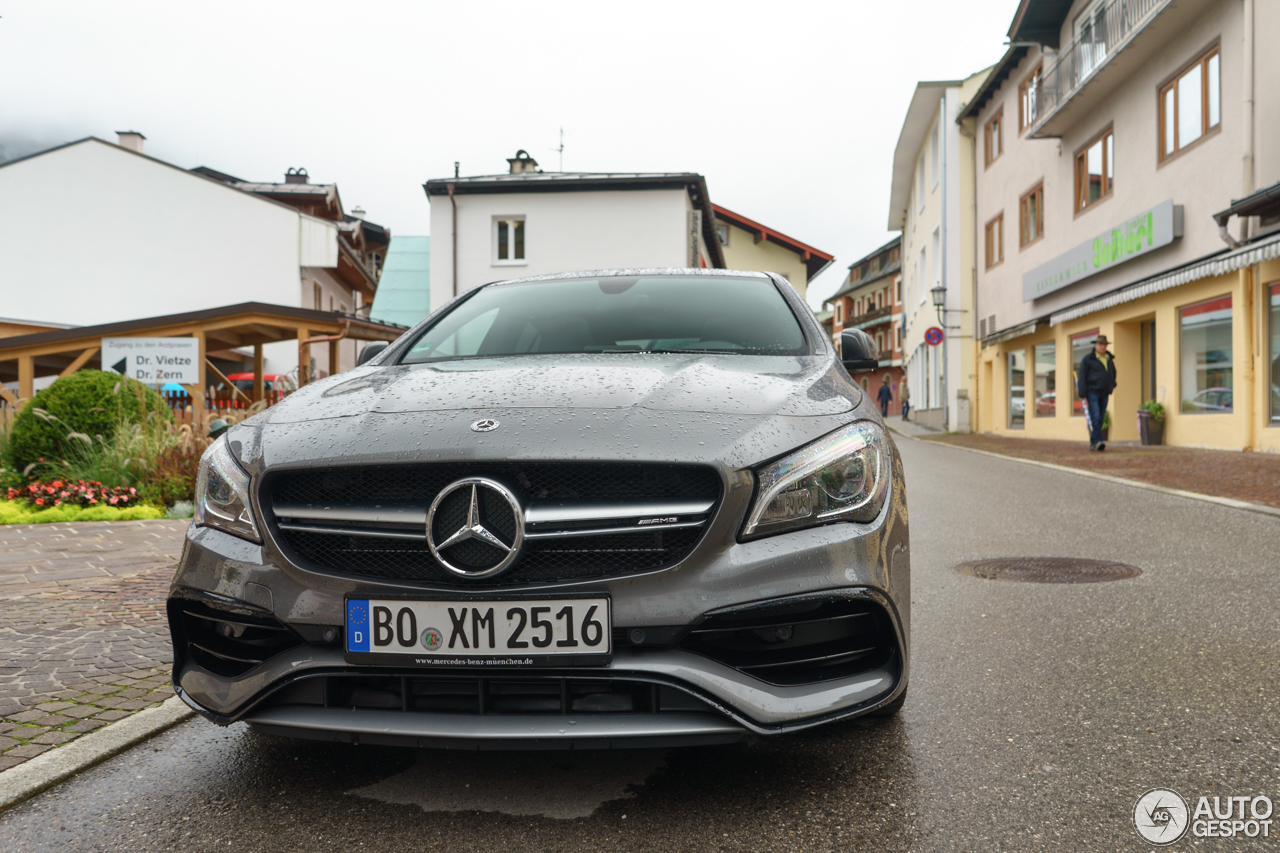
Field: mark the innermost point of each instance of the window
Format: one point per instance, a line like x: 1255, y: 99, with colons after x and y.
x: 898, y: 286
x: 1028, y: 92
x: 1274, y: 353
x: 893, y: 255
x: 1081, y: 345
x: 317, y: 297
x: 331, y: 303
x: 1031, y: 216
x: 994, y: 136
x: 1095, y: 171
x: 722, y: 232
x: 933, y: 152
x: 1190, y: 105
x: 995, y: 241
x: 879, y: 300
x: 898, y: 330
x: 1205, y: 356
x: 920, y: 183
x: 1046, y: 390
x: 1091, y: 36
x: 615, y: 314
x: 508, y: 242
x: 936, y: 278
x: 839, y: 311
x: 1017, y: 389
x: 879, y: 341
x: 920, y: 279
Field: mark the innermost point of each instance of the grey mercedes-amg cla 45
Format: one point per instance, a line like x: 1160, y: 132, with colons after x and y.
x: 606, y: 509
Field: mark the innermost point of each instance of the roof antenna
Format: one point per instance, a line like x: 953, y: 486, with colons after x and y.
x: 561, y: 149
x: 455, y: 168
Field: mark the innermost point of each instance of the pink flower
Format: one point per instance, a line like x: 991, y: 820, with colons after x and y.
x: 112, y: 501
x: 39, y: 501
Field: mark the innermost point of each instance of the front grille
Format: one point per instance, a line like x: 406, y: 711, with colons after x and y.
x: 502, y: 695
x: 549, y: 559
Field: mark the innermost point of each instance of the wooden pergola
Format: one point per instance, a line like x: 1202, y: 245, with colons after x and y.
x: 61, y: 352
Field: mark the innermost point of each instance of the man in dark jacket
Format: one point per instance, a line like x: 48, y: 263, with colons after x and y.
x: 885, y: 396
x: 1095, y: 380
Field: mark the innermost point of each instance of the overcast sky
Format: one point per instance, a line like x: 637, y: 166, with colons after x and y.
x: 791, y: 110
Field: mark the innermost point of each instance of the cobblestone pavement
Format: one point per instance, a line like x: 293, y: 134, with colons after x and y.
x: 83, y: 637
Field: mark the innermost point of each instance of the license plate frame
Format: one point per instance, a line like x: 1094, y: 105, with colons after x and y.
x: 443, y: 659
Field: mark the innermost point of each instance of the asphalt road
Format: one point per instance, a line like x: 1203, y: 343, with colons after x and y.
x: 1038, y: 713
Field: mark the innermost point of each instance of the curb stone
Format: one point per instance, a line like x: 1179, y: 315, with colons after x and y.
x: 48, y: 769
x: 1138, y: 484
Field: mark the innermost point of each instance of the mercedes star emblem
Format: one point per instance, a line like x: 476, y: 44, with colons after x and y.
x: 468, y: 513
x: 485, y: 425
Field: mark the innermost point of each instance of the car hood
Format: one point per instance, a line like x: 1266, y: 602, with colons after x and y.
x: 715, y: 384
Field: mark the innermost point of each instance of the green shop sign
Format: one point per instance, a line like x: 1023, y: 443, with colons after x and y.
x: 1143, y: 233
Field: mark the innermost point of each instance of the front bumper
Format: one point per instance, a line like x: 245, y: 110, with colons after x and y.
x: 668, y: 689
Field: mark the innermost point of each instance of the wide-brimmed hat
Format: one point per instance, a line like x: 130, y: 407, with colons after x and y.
x: 1101, y: 339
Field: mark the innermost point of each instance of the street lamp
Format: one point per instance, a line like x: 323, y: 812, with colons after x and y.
x: 939, y: 295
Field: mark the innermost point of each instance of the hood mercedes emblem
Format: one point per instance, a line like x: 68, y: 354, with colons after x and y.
x: 475, y: 527
x: 485, y: 425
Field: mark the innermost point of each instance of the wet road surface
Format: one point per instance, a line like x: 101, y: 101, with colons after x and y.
x: 1037, y: 715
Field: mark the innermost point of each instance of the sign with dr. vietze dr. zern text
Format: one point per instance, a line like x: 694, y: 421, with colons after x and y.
x: 1143, y: 233
x: 153, y: 361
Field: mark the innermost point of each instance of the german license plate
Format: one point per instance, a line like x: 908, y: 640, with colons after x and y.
x: 523, y: 632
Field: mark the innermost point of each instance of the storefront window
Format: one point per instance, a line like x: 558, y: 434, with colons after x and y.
x: 1206, y: 356
x: 1017, y: 389
x: 1046, y: 390
x: 1081, y: 345
x: 1274, y: 374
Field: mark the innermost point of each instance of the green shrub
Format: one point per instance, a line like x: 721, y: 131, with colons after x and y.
x: 90, y: 403
x: 17, y: 512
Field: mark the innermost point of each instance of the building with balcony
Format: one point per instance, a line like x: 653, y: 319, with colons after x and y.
x: 1122, y: 150
x: 93, y: 232
x: 931, y: 203
x: 870, y: 299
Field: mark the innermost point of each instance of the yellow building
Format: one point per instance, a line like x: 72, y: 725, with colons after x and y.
x: 748, y: 245
x: 1111, y: 201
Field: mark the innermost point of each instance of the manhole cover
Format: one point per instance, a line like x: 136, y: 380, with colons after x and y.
x: 1048, y: 570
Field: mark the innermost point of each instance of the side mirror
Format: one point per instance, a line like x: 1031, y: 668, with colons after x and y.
x: 858, y: 351
x: 368, y: 351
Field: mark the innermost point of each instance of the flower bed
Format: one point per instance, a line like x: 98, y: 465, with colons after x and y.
x: 82, y: 493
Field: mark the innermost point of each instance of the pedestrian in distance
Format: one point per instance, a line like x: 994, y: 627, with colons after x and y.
x: 906, y: 400
x: 885, y: 396
x: 1095, y: 380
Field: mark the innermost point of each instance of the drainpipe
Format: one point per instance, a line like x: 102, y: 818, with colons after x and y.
x: 973, y: 144
x: 304, y: 348
x: 454, y: 260
x: 946, y: 363
x: 1248, y: 109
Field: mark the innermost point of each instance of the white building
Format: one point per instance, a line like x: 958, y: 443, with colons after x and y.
x: 491, y: 227
x: 92, y: 232
x: 930, y: 203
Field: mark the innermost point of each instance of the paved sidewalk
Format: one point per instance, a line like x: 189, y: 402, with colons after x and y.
x: 911, y: 429
x: 83, y: 636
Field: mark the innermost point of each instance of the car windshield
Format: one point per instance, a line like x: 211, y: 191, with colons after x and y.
x: 616, y: 315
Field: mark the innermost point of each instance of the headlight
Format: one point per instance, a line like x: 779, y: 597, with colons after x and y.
x: 841, y: 477
x: 222, y: 494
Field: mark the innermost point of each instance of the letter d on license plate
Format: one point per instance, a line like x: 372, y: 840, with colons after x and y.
x: 446, y: 634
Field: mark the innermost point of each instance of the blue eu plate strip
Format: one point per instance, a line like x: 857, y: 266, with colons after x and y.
x: 357, y: 625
